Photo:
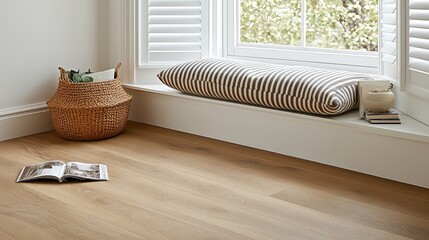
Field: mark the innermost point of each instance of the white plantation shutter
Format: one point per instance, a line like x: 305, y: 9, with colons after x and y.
x: 413, y: 99
x: 173, y: 31
x: 389, y: 39
x: 389, y: 31
x: 418, y: 39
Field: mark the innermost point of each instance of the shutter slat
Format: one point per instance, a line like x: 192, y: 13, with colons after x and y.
x: 420, y: 65
x: 390, y: 37
x: 174, y: 20
x: 389, y: 8
x: 419, y: 53
x: 389, y: 18
x: 389, y: 48
x: 174, y: 28
x: 174, y: 3
x: 419, y: 14
x: 389, y: 58
x: 388, y: 28
x: 419, y: 33
x: 419, y: 43
x: 419, y: 24
x: 419, y: 4
x: 174, y: 46
x: 179, y: 37
x: 168, y: 11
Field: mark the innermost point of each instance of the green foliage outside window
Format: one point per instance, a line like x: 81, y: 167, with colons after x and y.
x: 338, y: 24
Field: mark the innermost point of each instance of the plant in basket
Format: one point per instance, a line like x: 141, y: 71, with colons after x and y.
x: 76, y: 76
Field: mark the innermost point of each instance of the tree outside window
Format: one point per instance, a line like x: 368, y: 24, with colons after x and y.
x: 335, y: 24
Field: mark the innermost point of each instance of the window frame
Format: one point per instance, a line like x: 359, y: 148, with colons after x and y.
x: 341, y: 59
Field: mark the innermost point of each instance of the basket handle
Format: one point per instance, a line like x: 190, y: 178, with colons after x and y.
x: 117, y: 70
x: 64, y: 77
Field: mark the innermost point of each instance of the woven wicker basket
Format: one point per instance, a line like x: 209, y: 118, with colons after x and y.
x: 89, y: 111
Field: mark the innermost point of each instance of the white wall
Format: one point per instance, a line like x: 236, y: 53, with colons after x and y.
x: 36, y: 37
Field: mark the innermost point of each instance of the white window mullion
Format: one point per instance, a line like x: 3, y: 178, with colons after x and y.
x: 303, y: 24
x: 232, y: 26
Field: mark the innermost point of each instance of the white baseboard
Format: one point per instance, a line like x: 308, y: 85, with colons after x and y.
x: 381, y: 151
x: 24, y: 120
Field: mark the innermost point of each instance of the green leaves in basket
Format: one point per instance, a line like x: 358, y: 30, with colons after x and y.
x: 77, y: 77
x: 81, y: 79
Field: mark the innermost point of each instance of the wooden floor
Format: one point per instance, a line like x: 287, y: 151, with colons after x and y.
x: 170, y: 185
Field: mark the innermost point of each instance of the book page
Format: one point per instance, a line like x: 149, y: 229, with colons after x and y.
x: 51, y: 169
x: 86, y: 171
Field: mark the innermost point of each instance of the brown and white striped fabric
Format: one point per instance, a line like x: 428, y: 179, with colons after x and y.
x: 296, y: 88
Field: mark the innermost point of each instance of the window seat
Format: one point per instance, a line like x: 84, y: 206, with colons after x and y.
x: 409, y: 129
x: 396, y: 152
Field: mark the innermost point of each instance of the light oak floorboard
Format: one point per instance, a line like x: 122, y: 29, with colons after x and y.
x: 171, y: 185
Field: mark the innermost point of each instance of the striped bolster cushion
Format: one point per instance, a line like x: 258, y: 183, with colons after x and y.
x: 296, y: 88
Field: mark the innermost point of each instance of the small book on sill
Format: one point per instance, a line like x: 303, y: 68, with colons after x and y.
x: 391, y: 114
x: 60, y: 170
x: 385, y: 121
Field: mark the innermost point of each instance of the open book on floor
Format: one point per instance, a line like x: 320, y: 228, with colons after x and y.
x: 60, y: 170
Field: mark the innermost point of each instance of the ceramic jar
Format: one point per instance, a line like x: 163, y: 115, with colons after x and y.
x: 378, y: 101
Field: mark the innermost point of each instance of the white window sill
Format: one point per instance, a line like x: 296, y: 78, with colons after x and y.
x: 410, y: 128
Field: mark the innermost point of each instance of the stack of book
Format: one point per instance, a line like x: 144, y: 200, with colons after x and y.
x: 391, y: 116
